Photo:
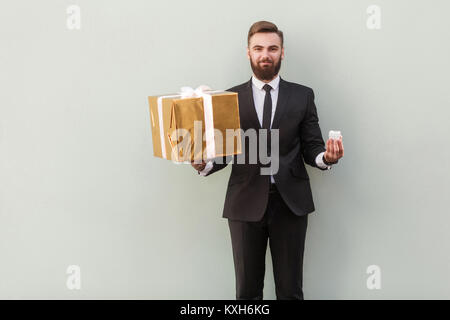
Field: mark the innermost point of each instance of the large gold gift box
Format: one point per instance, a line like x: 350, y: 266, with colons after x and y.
x: 181, y: 123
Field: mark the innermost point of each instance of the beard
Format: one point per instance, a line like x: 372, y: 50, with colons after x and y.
x: 267, y: 72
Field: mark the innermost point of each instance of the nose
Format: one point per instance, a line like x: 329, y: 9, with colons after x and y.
x: 265, y: 55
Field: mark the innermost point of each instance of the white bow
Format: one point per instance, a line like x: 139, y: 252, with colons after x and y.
x: 189, y: 92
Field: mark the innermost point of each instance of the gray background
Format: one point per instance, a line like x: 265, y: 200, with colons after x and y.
x: 79, y: 184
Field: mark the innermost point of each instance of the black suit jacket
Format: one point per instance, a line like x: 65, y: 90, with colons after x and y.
x: 300, y: 140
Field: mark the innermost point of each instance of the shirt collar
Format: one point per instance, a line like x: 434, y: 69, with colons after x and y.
x: 260, y: 84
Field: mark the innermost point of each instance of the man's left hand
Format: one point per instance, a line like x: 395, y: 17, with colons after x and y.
x: 334, y: 151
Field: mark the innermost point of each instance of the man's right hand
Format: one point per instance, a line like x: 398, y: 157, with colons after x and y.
x: 198, y: 166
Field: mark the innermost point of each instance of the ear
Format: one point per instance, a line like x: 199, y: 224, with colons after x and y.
x: 282, y: 53
x: 248, y: 53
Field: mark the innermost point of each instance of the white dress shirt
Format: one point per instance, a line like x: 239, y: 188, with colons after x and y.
x: 259, y: 95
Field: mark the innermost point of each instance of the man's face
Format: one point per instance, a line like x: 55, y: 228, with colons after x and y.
x: 265, y: 54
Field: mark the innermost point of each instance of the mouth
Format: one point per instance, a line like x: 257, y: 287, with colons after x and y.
x: 266, y: 63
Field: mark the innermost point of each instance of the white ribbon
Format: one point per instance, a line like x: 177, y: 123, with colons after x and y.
x: 161, y: 124
x: 204, y: 92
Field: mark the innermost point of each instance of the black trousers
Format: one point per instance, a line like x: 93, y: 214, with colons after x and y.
x: 286, y: 234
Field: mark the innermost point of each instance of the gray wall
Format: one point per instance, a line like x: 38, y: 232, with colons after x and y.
x: 79, y: 184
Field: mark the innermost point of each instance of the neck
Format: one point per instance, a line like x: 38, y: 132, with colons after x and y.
x: 266, y: 81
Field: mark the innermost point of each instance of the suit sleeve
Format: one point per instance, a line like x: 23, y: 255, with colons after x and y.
x: 312, y: 143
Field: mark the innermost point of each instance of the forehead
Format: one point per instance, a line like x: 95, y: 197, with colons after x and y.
x: 265, y: 39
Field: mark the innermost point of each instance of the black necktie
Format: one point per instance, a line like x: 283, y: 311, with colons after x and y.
x: 267, y: 113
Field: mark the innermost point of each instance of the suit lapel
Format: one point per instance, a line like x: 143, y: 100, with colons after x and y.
x: 283, y: 97
x: 249, y: 110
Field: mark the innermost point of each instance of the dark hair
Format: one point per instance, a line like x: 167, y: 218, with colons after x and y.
x: 264, y: 26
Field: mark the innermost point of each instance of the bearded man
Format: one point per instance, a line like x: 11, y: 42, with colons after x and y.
x: 274, y: 207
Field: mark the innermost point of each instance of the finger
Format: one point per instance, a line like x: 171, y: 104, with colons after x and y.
x: 196, y: 166
x: 341, y: 148
x: 333, y: 153
x: 329, y: 149
x: 336, y: 146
